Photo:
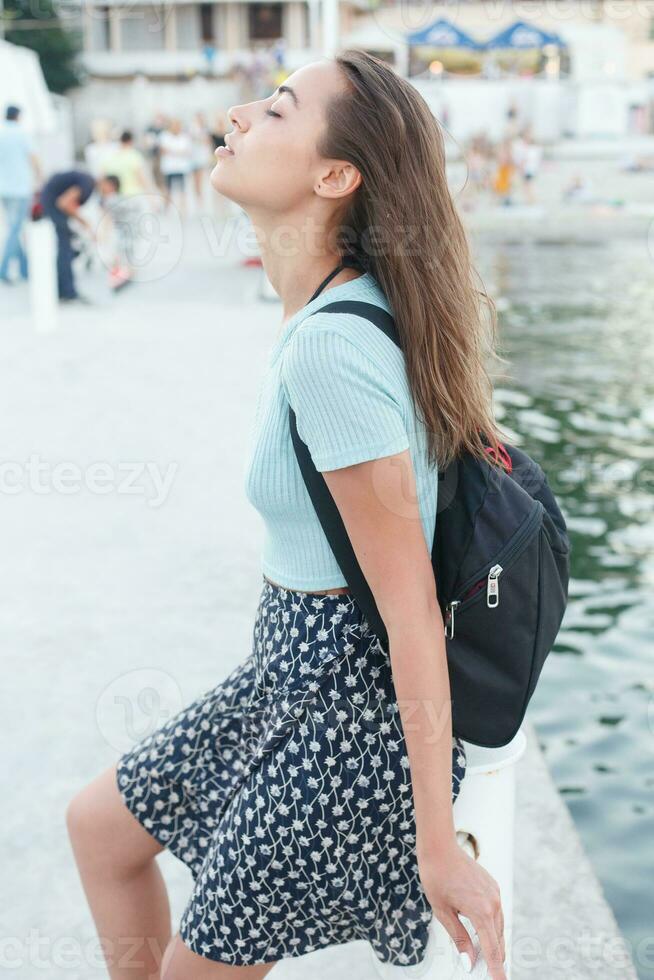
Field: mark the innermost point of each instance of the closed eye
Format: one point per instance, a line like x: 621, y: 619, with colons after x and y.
x: 269, y: 112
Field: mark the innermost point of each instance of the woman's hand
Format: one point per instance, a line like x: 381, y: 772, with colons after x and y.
x: 455, y: 882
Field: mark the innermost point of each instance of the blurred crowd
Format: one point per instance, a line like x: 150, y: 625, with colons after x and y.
x: 168, y: 156
x: 506, y: 171
x: 130, y: 175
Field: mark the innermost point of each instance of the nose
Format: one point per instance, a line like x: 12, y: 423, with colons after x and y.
x: 236, y: 116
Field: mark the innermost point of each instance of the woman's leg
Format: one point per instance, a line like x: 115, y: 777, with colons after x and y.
x: 123, y: 884
x: 198, y: 175
x: 181, y: 963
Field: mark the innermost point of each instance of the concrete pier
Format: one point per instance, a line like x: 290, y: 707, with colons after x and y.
x: 563, y: 926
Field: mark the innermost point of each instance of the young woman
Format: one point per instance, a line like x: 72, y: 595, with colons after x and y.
x: 310, y: 793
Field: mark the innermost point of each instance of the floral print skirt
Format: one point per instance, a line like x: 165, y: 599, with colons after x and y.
x: 286, y: 791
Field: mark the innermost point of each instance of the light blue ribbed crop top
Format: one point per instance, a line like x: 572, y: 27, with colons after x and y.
x: 347, y: 384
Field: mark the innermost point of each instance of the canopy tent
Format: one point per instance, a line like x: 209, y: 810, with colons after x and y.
x: 46, y: 117
x: 443, y: 34
x: 523, y: 37
x: 22, y: 84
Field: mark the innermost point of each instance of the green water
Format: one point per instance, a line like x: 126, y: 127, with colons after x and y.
x: 577, y: 327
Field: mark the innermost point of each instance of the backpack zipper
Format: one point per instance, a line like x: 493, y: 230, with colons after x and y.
x: 492, y: 596
x: 490, y: 579
x: 493, y: 588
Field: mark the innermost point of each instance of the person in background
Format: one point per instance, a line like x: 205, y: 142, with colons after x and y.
x: 127, y: 204
x: 579, y: 191
x: 532, y: 156
x: 221, y: 205
x: 128, y: 164
x: 176, y: 152
x: 512, y: 121
x: 151, y: 143
x: 19, y: 170
x: 218, y: 130
x: 477, y: 162
x: 518, y: 146
x: 62, y: 196
x: 115, y: 243
x: 101, y: 146
x: 504, y: 173
x: 201, y: 153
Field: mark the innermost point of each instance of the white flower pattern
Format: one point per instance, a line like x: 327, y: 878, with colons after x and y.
x: 286, y: 791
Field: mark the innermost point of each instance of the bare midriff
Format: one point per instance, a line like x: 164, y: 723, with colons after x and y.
x: 338, y: 591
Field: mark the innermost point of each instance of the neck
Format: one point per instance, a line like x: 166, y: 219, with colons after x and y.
x: 297, y: 261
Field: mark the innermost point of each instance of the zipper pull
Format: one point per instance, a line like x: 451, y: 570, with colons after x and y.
x: 492, y: 588
x: 449, y: 628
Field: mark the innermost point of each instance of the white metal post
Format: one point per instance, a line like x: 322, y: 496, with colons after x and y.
x: 42, y: 259
x: 330, y: 28
x: 314, y: 23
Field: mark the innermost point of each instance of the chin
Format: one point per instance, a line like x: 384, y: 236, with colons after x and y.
x: 215, y: 179
x: 219, y: 184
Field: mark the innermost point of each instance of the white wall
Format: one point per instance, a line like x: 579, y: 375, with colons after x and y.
x: 554, y: 109
x: 476, y: 105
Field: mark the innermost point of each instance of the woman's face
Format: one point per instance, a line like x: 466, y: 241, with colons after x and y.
x: 275, y: 165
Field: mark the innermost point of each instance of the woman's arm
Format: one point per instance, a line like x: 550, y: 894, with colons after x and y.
x: 378, y: 503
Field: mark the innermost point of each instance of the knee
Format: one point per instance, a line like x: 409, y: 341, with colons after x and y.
x: 91, y: 819
x: 103, y: 832
x: 82, y: 817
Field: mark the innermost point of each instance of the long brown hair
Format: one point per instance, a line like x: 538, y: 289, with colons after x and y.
x: 446, y: 323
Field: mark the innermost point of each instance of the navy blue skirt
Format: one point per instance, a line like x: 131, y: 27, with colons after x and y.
x: 286, y: 791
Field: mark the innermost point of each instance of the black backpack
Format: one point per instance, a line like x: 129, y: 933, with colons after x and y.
x: 501, y: 559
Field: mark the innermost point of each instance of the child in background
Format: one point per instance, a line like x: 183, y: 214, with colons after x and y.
x: 503, y: 180
x: 116, y: 244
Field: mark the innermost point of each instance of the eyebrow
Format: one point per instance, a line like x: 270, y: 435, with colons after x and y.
x: 291, y: 92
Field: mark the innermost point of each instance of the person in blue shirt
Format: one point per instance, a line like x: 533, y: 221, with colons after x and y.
x: 19, y: 170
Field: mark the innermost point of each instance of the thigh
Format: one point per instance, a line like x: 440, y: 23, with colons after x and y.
x: 180, y: 963
x: 104, y: 831
x: 62, y: 228
x: 10, y: 209
x: 22, y: 209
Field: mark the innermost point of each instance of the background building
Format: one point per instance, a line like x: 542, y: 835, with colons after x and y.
x: 181, y: 57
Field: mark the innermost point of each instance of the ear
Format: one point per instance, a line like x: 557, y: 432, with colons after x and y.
x: 338, y: 179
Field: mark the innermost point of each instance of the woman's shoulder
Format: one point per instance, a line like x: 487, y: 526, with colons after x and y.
x: 340, y: 331
x: 342, y: 340
x: 345, y: 359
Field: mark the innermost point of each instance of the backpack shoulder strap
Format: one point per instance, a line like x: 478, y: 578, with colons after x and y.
x: 322, y: 500
x: 369, y: 311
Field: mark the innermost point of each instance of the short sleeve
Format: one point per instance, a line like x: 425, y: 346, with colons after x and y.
x: 346, y: 411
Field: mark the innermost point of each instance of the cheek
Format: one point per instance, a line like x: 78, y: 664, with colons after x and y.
x: 267, y: 173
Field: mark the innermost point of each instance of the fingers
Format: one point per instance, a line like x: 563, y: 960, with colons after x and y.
x: 459, y: 934
x: 499, y: 929
x: 491, y: 946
